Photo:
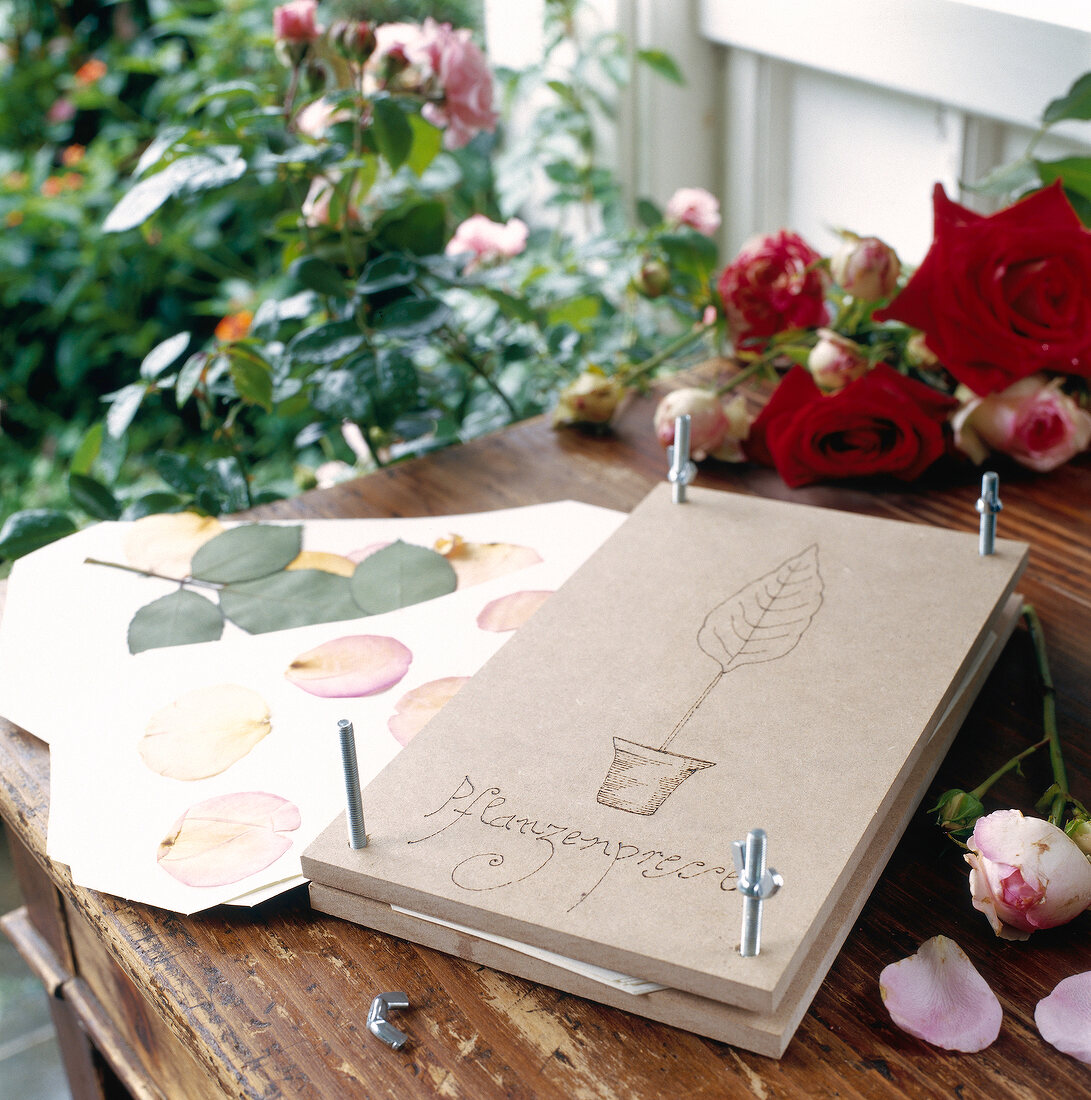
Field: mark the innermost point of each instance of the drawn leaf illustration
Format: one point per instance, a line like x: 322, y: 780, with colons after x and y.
x: 399, y: 575
x: 246, y: 553
x: 765, y: 619
x: 228, y: 838
x: 204, y: 732
x: 301, y: 597
x: 178, y: 619
x: 351, y: 667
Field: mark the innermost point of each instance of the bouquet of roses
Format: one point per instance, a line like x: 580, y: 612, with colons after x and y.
x: 985, y: 348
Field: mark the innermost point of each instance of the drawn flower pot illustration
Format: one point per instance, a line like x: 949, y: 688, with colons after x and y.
x: 640, y: 778
x: 760, y: 622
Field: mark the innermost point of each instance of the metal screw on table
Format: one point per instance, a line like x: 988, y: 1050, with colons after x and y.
x: 757, y: 884
x: 988, y: 506
x: 353, y: 799
x: 682, y: 471
x: 378, y: 1024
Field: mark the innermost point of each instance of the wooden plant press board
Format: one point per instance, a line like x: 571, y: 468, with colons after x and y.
x: 719, y: 665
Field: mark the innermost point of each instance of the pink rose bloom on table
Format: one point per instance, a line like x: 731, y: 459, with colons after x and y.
x: 487, y: 241
x: 775, y: 283
x: 296, y: 21
x: 1034, y: 421
x: 715, y: 429
x: 695, y: 207
x: 464, y: 80
x: 1025, y: 874
x: 835, y: 361
x: 865, y: 267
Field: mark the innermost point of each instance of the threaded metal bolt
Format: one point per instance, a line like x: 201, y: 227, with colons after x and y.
x: 353, y: 799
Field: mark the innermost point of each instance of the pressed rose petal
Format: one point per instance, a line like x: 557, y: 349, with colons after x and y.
x: 366, y: 551
x: 415, y: 709
x: 165, y: 544
x: 511, y: 611
x: 939, y: 997
x: 474, y: 562
x: 228, y: 838
x: 204, y: 731
x: 1064, y: 1017
x: 337, y: 564
x: 351, y: 667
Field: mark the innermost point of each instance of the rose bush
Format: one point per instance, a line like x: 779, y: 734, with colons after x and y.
x: 1004, y: 296
x: 486, y: 241
x: 1026, y: 874
x: 882, y: 423
x: 695, y: 207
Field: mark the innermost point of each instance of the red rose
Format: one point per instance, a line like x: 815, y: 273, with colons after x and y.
x: 883, y: 423
x: 773, y: 284
x: 1002, y: 297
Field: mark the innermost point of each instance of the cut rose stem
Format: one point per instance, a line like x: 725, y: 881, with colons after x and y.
x: 150, y: 573
x: 1049, y: 715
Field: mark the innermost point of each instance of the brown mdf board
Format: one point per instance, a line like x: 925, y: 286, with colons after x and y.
x: 762, y: 1033
x: 719, y: 665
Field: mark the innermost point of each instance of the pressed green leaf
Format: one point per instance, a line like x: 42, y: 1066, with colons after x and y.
x: 162, y: 355
x: 181, y: 618
x: 319, y: 275
x: 427, y: 140
x: 393, y: 133
x: 663, y: 64
x: 399, y: 575
x: 93, y: 497
x: 1073, y: 172
x: 412, y: 318
x: 34, y: 527
x: 253, y: 380
x: 386, y: 273
x: 300, y: 597
x: 326, y: 343
x: 1074, y: 104
x: 123, y: 407
x: 246, y: 553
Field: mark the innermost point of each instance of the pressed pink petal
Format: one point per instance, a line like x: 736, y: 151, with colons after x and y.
x: 416, y: 708
x: 366, y: 551
x: 1064, y: 1017
x: 228, y: 838
x: 351, y: 667
x: 939, y: 997
x: 511, y: 611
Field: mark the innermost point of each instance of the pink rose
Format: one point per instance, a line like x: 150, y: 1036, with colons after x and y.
x: 835, y: 361
x: 695, y: 207
x: 715, y: 429
x: 775, y: 283
x: 1026, y: 874
x: 61, y: 110
x: 487, y: 241
x: 465, y: 82
x: 318, y: 116
x: 865, y: 267
x: 1033, y: 420
x: 296, y: 21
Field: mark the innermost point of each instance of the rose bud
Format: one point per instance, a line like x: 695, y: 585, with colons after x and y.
x: 715, y: 430
x: 1026, y: 874
x: 865, y: 267
x: 1033, y: 420
x: 653, y: 279
x: 835, y: 361
x: 957, y: 811
x: 353, y: 38
x: 695, y: 207
x: 591, y: 399
x: 296, y: 21
x: 1079, y: 832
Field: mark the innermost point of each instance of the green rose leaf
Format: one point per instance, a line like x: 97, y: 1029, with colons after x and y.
x: 317, y: 274
x: 247, y: 553
x: 1073, y: 172
x: 326, y: 343
x: 427, y: 140
x: 162, y: 355
x: 386, y: 273
x: 412, y: 318
x: 393, y: 134
x: 663, y: 64
x: 1074, y: 104
x: 648, y: 214
x: 299, y: 597
x: 93, y: 497
x: 253, y: 380
x: 124, y: 404
x: 34, y: 527
x: 399, y: 575
x: 178, y: 619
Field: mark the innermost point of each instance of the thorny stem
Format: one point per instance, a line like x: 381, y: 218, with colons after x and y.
x: 982, y: 788
x: 661, y: 356
x: 1049, y: 715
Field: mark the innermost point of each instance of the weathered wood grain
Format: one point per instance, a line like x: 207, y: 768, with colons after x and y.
x: 272, y: 1002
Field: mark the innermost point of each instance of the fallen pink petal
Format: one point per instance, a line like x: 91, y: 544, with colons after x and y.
x: 351, y: 667
x: 937, y: 995
x: 511, y: 611
x: 416, y: 708
x: 1064, y: 1017
x: 228, y: 838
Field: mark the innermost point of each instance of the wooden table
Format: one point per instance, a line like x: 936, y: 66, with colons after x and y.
x: 272, y: 1002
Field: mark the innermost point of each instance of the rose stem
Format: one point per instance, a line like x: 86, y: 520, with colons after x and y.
x: 149, y: 573
x: 982, y: 788
x: 1049, y: 715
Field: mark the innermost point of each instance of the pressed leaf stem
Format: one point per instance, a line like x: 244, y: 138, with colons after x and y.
x: 157, y: 576
x: 1049, y: 715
